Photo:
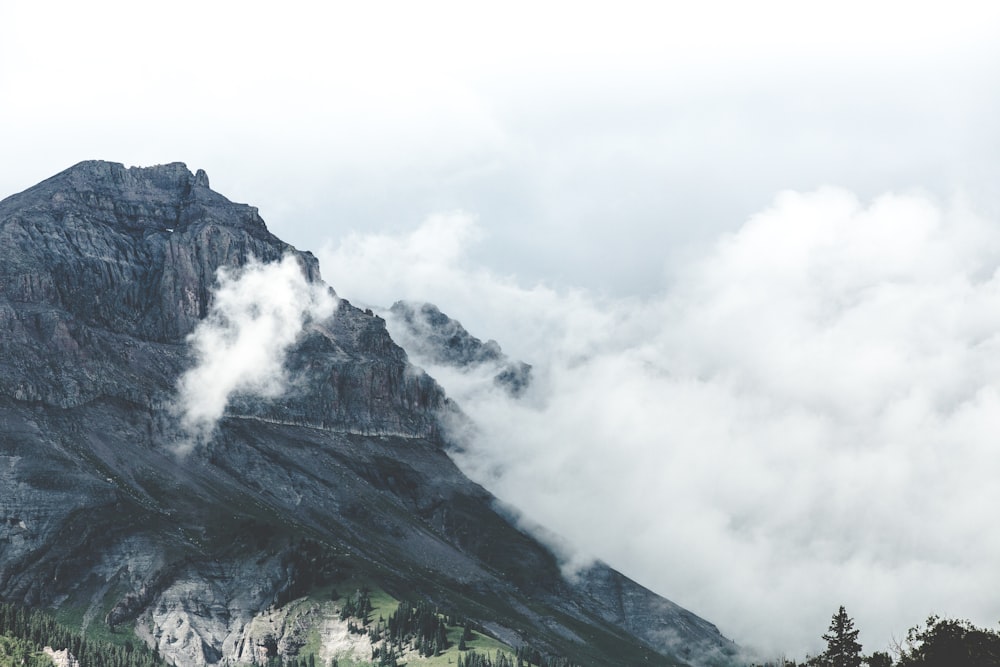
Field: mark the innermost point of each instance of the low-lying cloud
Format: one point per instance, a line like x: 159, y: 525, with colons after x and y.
x: 257, y: 312
x: 805, y: 419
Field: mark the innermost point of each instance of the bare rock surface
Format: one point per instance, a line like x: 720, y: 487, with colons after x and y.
x: 430, y: 335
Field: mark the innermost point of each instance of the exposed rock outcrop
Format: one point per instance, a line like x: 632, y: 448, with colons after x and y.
x: 61, y: 658
x: 428, y: 334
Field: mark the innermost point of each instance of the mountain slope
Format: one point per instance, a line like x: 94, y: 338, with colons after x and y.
x: 343, y: 478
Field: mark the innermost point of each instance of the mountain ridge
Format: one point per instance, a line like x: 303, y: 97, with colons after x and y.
x: 425, y: 332
x: 107, y: 270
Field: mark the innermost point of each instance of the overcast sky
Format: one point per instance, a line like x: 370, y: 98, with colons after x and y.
x: 749, y: 247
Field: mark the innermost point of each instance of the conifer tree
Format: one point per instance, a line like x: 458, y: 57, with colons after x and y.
x: 842, y: 647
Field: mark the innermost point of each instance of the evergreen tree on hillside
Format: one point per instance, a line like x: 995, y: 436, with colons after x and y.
x: 29, y: 630
x: 842, y: 647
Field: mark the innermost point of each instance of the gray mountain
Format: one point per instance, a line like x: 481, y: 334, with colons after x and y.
x: 424, y: 331
x: 248, y: 549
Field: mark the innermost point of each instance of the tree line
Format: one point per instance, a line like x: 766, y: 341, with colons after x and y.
x: 939, y: 642
x: 522, y: 658
x: 28, y: 631
x: 423, y: 627
x: 419, y: 627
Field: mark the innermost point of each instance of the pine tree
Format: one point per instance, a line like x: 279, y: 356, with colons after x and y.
x: 879, y: 659
x: 842, y: 647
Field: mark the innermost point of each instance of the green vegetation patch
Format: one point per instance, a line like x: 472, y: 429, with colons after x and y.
x: 17, y: 652
x: 35, y: 630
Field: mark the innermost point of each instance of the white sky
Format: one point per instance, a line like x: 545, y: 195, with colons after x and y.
x: 611, y: 156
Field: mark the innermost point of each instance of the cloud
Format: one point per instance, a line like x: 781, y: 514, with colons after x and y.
x: 432, y: 263
x: 257, y: 312
x: 627, y: 124
x: 805, y: 418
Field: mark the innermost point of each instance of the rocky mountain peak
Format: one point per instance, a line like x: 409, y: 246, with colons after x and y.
x: 342, y: 478
x: 131, y: 250
x: 165, y: 178
x: 136, y: 199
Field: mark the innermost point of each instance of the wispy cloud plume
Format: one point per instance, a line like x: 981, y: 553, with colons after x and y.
x: 805, y: 419
x: 257, y: 312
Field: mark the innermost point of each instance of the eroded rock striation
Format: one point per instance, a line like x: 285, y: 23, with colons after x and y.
x: 106, y: 271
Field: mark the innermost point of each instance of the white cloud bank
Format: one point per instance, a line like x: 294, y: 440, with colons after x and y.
x: 257, y: 312
x: 808, y: 417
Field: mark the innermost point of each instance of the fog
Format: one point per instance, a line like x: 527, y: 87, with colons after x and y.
x: 803, y: 420
x: 256, y: 313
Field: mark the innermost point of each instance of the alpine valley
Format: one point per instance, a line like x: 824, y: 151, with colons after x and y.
x: 310, y: 526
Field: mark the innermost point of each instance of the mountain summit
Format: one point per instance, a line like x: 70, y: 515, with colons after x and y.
x: 260, y: 544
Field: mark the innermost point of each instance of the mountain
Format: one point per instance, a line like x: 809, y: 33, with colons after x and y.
x: 424, y: 331
x: 256, y: 545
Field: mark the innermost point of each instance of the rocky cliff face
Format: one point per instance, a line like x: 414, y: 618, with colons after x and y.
x: 105, y: 272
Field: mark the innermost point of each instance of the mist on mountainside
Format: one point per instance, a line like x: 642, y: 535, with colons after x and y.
x: 769, y: 436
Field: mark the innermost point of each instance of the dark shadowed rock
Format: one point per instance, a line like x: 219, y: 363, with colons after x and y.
x: 105, y: 272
